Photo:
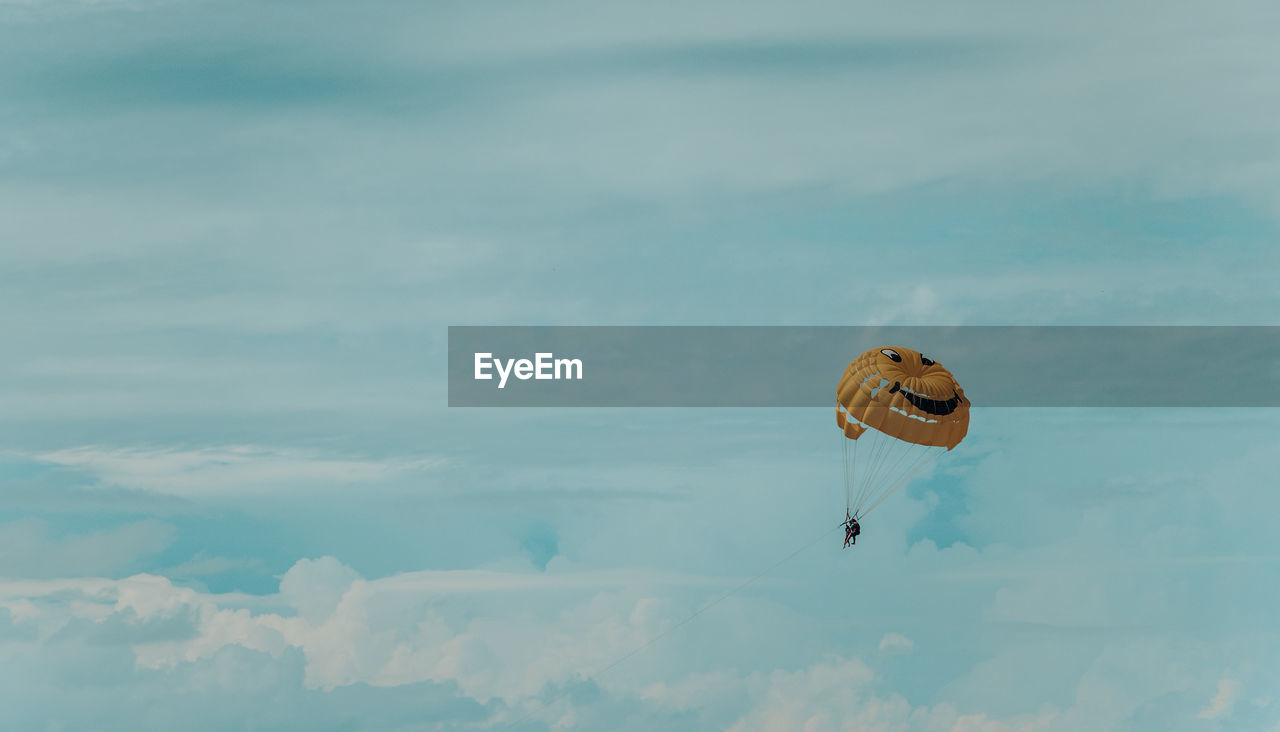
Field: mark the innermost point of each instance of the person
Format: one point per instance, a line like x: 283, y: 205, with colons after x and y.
x: 851, y: 529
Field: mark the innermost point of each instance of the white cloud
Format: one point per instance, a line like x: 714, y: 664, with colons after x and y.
x: 1222, y: 702
x: 231, y: 469
x: 896, y: 643
x: 203, y: 566
x: 26, y: 550
x: 385, y: 632
x: 839, y: 695
x: 489, y: 635
x: 316, y: 586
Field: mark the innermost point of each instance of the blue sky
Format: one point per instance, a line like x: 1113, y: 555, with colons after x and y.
x: 232, y: 235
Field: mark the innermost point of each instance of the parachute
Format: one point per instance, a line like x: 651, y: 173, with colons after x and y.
x: 899, y: 411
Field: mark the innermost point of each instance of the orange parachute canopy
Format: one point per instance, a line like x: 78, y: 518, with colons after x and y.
x: 912, y: 407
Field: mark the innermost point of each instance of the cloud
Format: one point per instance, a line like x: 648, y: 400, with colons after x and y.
x: 501, y: 652
x: 26, y: 549
x: 316, y: 586
x: 204, y: 566
x: 352, y: 630
x: 839, y: 695
x: 1222, y: 703
x: 896, y: 643
x: 235, y: 469
x: 980, y: 620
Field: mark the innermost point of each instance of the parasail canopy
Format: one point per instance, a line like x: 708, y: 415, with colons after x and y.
x: 898, y: 410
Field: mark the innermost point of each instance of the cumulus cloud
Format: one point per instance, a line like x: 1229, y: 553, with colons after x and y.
x: 501, y: 655
x: 346, y: 631
x: 388, y: 631
x: 839, y: 695
x: 315, y: 586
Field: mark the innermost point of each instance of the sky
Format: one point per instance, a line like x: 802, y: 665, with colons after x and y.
x: 232, y: 237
